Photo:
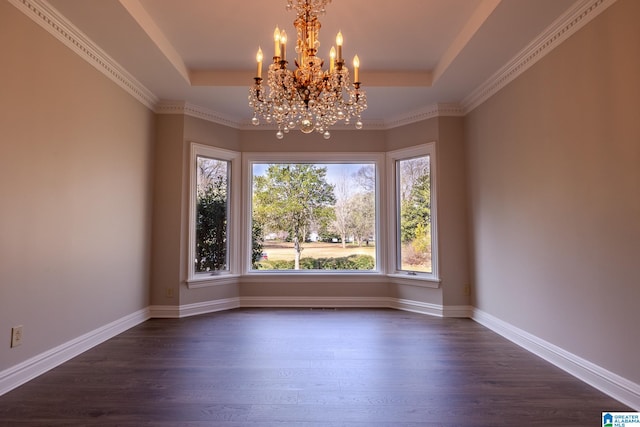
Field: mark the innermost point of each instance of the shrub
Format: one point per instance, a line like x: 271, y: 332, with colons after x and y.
x: 351, y: 262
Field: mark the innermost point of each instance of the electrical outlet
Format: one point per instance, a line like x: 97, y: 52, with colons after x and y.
x: 16, y: 336
x: 467, y: 290
x: 169, y: 292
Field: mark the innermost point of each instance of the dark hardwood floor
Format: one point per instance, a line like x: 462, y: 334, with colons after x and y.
x: 302, y: 367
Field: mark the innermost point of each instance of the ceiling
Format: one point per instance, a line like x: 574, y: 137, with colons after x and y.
x: 414, y: 54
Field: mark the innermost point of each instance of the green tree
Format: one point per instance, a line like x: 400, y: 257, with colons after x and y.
x: 211, y: 225
x: 290, y: 198
x: 415, y: 209
x: 363, y: 214
x: 257, y: 242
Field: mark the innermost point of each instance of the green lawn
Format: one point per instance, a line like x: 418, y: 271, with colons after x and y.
x: 283, y: 251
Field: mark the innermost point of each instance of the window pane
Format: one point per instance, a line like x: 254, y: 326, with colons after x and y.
x: 311, y: 216
x: 414, y: 206
x: 211, y: 214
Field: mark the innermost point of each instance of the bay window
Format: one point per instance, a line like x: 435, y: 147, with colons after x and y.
x: 211, y: 222
x: 413, y: 211
x: 312, y: 213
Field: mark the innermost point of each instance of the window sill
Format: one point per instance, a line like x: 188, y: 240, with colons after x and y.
x: 414, y: 280
x: 308, y: 277
x: 203, y: 281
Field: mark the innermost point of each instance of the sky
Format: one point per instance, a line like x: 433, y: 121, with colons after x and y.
x: 335, y: 171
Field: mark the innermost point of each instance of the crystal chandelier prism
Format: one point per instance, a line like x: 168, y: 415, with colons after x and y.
x: 307, y: 98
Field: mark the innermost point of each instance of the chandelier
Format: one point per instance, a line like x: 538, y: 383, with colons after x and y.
x: 308, y: 98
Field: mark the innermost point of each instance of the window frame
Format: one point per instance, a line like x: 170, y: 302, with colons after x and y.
x: 239, y: 218
x: 195, y: 279
x: 250, y: 158
x: 393, y: 261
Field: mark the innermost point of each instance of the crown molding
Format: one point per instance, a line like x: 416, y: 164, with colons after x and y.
x: 188, y: 109
x: 582, y: 12
x: 48, y: 18
x: 429, y: 112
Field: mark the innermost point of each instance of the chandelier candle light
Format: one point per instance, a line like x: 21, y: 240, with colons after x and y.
x: 308, y: 98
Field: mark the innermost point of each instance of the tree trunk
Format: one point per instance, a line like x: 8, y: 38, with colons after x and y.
x: 296, y: 245
x: 344, y: 241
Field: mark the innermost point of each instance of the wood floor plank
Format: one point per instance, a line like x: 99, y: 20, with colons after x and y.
x: 306, y: 368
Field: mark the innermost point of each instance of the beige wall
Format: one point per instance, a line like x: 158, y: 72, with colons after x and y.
x: 167, y: 210
x: 341, y: 141
x: 554, y: 181
x: 171, y: 196
x: 452, y: 212
x: 208, y: 133
x: 548, y: 236
x: 448, y: 134
x: 75, y: 193
x: 170, y: 236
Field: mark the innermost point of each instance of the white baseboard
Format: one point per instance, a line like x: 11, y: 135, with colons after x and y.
x: 178, y: 311
x: 358, y: 302
x: 23, y: 372
x: 606, y: 381
x: 209, y: 307
x: 463, y: 311
x: 164, y: 311
x: 416, y: 306
x: 316, y: 302
x: 313, y: 302
x: 175, y: 311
